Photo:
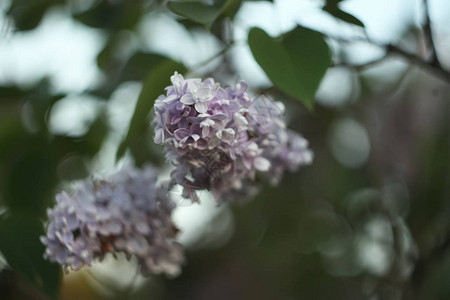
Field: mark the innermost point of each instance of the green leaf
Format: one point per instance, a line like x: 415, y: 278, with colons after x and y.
x: 202, y: 13
x: 106, y: 57
x: 41, y: 100
x: 332, y: 8
x: 28, y: 14
x: 333, y: 2
x: 12, y: 93
x: 20, y: 244
x: 138, y: 65
x: 195, y: 11
x: 112, y: 14
x: 154, y: 85
x: 231, y: 7
x: 295, y: 62
x: 86, y: 145
x: 118, y: 68
x: 29, y: 173
x: 189, y: 24
x: 38, y: 99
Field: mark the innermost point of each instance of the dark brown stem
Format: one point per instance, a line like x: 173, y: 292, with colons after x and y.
x: 444, y: 74
x: 359, y: 67
x: 394, y: 50
x: 428, y: 35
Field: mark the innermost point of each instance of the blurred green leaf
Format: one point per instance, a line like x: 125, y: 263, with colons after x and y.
x: 203, y: 13
x: 429, y: 200
x: 135, y: 68
x: 112, y: 14
x: 11, y: 132
x: 106, y: 58
x: 230, y: 7
x: 154, y: 85
x: 333, y: 2
x: 41, y: 101
x: 28, y: 14
x: 443, y: 278
x: 138, y: 65
x: 195, y: 11
x: 34, y: 102
x: 332, y: 8
x: 20, y: 244
x: 29, y: 177
x: 294, y: 62
x: 29, y: 163
x: 86, y: 145
x: 12, y: 93
x: 189, y: 24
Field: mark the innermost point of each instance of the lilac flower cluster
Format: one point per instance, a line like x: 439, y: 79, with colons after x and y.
x: 125, y: 213
x: 220, y: 139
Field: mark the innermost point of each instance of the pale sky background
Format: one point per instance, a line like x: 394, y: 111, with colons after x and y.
x: 66, y: 50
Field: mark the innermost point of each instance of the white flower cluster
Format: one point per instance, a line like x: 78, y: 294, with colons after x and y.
x: 220, y: 139
x: 126, y: 212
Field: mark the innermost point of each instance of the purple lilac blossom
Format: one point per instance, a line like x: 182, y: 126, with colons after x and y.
x: 127, y: 213
x: 221, y: 139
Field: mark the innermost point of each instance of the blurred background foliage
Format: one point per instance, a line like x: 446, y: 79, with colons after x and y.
x: 366, y: 82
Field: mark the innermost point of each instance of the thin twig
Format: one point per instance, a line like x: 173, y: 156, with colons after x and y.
x: 428, y: 35
x: 391, y: 49
x: 394, y: 50
x: 211, y: 59
x: 359, y: 67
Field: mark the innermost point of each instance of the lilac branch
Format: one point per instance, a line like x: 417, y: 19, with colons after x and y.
x: 395, y: 50
x: 436, y: 68
x: 428, y: 35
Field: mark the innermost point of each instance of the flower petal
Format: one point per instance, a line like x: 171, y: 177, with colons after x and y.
x: 204, y: 93
x: 181, y: 133
x: 206, y: 131
x: 169, y: 99
x: 177, y: 81
x: 187, y: 99
x: 201, y: 107
x: 207, y: 123
x: 261, y: 164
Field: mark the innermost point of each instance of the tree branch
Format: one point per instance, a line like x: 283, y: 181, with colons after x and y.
x: 428, y: 35
x: 201, y: 64
x: 359, y: 67
x: 394, y: 50
x: 444, y: 74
